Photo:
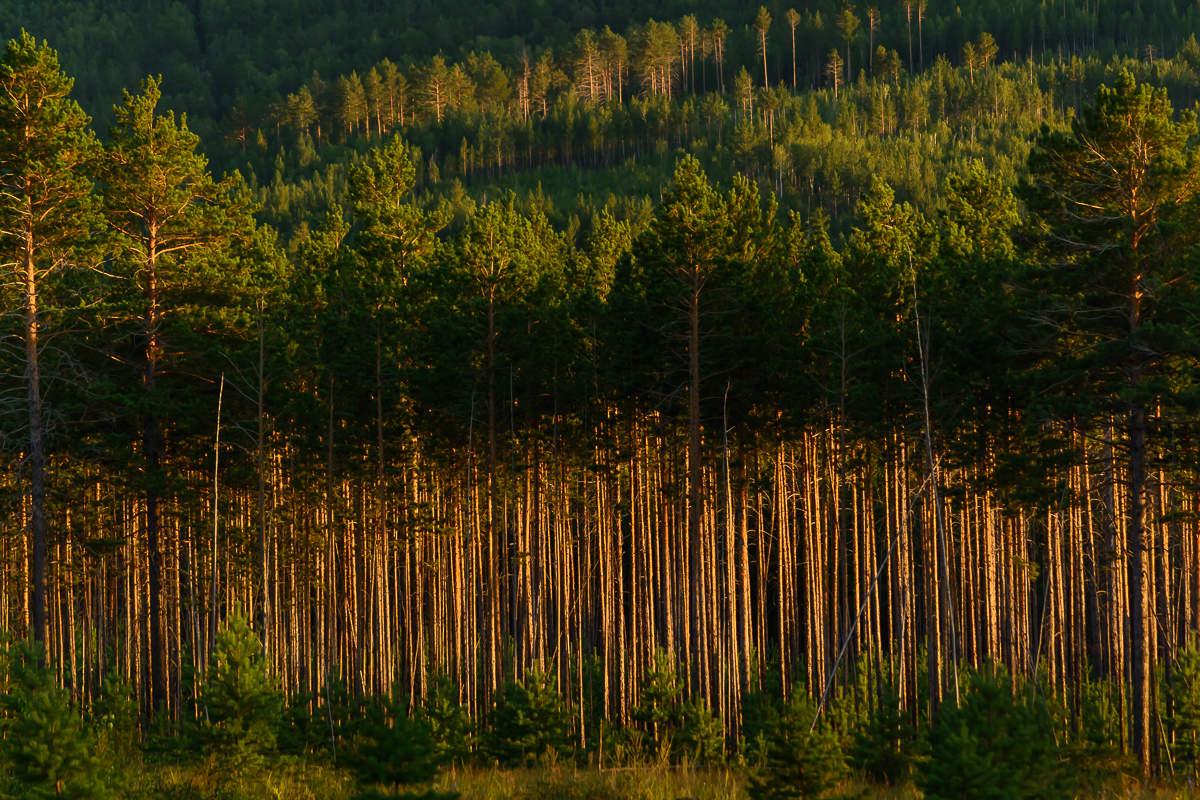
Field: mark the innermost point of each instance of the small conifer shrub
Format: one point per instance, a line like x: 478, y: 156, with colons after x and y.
x: 802, y: 760
x: 45, y: 749
x: 529, y: 720
x: 242, y: 708
x: 995, y: 745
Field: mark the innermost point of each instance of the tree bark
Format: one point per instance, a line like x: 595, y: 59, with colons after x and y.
x: 152, y: 455
x: 37, y: 455
x: 695, y: 491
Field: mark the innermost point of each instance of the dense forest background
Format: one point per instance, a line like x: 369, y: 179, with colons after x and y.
x: 821, y: 351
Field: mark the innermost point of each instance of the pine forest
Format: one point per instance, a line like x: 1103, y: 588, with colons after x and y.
x: 599, y: 399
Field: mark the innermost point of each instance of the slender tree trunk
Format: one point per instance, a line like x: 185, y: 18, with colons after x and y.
x: 1137, y: 564
x: 763, y: 34
x: 37, y: 454
x: 264, y: 577
x: 943, y: 595
x: 214, y: 578
x: 494, y: 588
x: 695, y: 489
x: 152, y: 453
x: 793, y: 58
x: 908, y: 18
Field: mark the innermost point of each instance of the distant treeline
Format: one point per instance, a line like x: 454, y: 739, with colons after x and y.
x: 217, y: 56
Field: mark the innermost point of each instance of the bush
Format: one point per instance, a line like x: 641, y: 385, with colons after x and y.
x: 242, y: 706
x: 529, y: 719
x: 995, y: 745
x: 1183, y: 701
x: 885, y: 744
x: 449, y: 723
x: 113, y: 721
x: 659, y: 709
x: 1095, y: 752
x: 392, y: 752
x: 324, y: 723
x: 45, y: 750
x: 114, y: 716
x: 802, y: 760
x: 702, y: 736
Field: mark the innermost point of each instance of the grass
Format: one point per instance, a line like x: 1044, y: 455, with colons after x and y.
x: 293, y: 779
x: 570, y: 783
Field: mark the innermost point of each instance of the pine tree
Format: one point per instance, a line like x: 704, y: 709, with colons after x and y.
x: 242, y: 705
x: 762, y: 24
x: 701, y: 737
x: 393, y: 752
x: 171, y: 226
x: 659, y: 706
x: 449, y: 723
x: 529, y: 720
x: 45, y: 749
x: 46, y: 212
x: 885, y: 744
x: 1117, y: 287
x: 995, y: 745
x: 802, y: 760
x: 1183, y: 703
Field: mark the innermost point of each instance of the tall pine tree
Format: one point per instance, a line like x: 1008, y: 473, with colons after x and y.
x: 1113, y: 200
x: 171, y: 225
x: 46, y: 209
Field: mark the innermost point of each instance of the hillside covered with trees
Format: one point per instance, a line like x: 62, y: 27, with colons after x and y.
x: 808, y: 396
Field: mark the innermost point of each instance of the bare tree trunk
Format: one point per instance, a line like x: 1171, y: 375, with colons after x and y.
x: 214, y: 578
x: 152, y: 453
x: 695, y: 489
x: 494, y: 590
x: 264, y: 593
x: 1137, y: 558
x: 37, y: 454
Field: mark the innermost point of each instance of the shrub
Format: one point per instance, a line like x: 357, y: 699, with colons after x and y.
x: 659, y: 709
x: 1095, y: 752
x: 529, y: 719
x: 802, y: 760
x: 885, y: 743
x: 702, y: 736
x: 392, y: 752
x: 1183, y: 701
x: 449, y: 723
x: 45, y: 750
x: 994, y: 745
x: 242, y: 706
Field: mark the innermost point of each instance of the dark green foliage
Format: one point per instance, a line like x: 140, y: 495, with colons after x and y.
x: 113, y: 721
x: 450, y: 725
x: 324, y: 724
x: 558, y: 313
x: 529, y: 720
x: 1183, y: 701
x: 995, y: 745
x: 241, y: 705
x: 1095, y: 753
x: 802, y: 760
x: 679, y: 730
x: 45, y: 749
x: 659, y: 707
x: 392, y: 752
x: 885, y: 743
x: 701, y: 737
x: 1115, y: 291
x: 305, y: 727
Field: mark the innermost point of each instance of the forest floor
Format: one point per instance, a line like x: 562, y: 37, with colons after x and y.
x: 299, y: 781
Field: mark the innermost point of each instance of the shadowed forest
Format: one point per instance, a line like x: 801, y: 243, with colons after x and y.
x: 552, y: 401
